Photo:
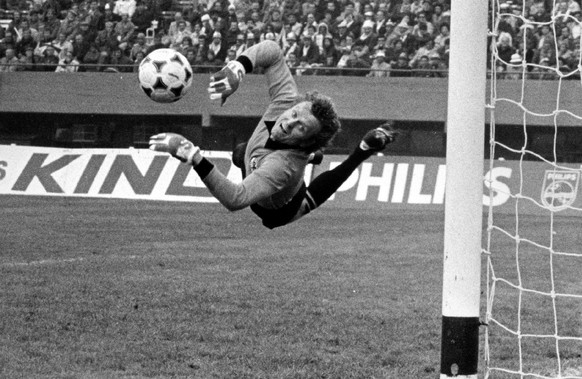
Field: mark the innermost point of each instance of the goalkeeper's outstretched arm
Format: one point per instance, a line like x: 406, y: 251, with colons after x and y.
x: 267, y: 55
x: 233, y: 196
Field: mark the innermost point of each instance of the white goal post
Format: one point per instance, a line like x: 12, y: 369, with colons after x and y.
x: 464, y: 189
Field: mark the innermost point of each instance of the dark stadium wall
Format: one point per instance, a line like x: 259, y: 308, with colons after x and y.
x: 39, y: 108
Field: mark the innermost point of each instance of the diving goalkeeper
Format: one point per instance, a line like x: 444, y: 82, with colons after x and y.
x: 275, y: 157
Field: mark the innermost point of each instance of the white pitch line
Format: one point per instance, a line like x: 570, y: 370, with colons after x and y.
x: 58, y: 261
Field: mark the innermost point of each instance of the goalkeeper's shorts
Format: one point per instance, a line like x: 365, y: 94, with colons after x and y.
x: 291, y: 211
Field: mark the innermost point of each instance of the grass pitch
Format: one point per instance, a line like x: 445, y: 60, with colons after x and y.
x: 123, y: 289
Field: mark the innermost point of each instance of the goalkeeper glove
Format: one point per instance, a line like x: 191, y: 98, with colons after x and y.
x: 226, y: 81
x: 177, y: 146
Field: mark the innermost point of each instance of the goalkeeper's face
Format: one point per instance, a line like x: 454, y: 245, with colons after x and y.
x: 297, y: 126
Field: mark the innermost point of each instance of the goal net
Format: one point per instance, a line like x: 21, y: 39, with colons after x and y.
x: 532, y: 249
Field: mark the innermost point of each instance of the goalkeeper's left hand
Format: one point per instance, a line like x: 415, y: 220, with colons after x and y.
x: 177, y: 146
x: 226, y: 81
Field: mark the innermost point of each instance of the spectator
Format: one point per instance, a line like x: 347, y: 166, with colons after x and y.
x: 69, y: 25
x: 52, y: 23
x: 328, y: 67
x: 329, y: 51
x: 437, y: 65
x: 380, y: 22
x: 359, y: 61
x: 9, y: 39
x: 566, y: 37
x: 231, y: 13
x: 25, y: 27
x: 295, y: 26
x: 120, y: 61
x: 91, y: 59
x: 124, y: 7
x: 174, y: 25
x: 545, y: 71
x: 275, y: 21
x: 309, y: 50
x: 28, y: 62
x: 350, y: 25
x: 202, y: 44
x: 61, y: 43
x: 85, y: 30
x: 437, y: 18
x: 142, y: 17
x: 505, y: 47
x: 68, y: 64
x: 423, y: 22
x: 239, y: 45
x: 292, y: 62
x: 44, y: 35
x: 415, y: 7
x: 309, y: 32
x: 16, y: 15
x: 25, y: 41
x: 125, y: 28
x: 566, y: 55
x: 34, y: 19
x: 9, y: 62
x: 322, y: 33
x: 575, y: 25
x: 379, y: 67
x: 207, y: 27
x: 50, y: 59
x: 231, y: 34
x: 442, y: 36
x: 367, y: 37
x: 95, y: 18
x: 211, y: 63
x: 80, y: 46
x: 181, y: 33
x: 422, y: 68
x: 546, y: 52
x: 230, y: 55
x: 404, y: 9
x: 401, y: 68
x: 258, y: 24
x: 424, y: 50
x: 199, y: 60
x: 403, y: 32
x: 421, y: 33
x: 304, y: 68
x: 190, y: 56
x: 544, y: 34
x: 186, y: 45
x: 514, y: 70
x: 268, y: 34
x: 107, y: 39
x: 218, y: 48
x: 394, y: 51
x: 137, y: 60
x: 109, y: 16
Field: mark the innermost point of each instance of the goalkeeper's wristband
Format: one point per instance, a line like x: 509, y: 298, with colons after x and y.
x: 203, y: 168
x: 246, y: 63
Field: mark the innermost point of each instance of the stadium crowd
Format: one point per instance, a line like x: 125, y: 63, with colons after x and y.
x: 318, y: 37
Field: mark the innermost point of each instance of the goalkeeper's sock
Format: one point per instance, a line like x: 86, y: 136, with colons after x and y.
x: 325, y: 185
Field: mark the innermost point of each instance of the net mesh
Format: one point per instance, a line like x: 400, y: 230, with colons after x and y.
x: 533, y: 252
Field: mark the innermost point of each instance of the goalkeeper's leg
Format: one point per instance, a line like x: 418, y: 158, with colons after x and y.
x: 327, y: 183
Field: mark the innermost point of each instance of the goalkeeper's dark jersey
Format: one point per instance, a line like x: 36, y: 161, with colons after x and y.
x: 275, y: 171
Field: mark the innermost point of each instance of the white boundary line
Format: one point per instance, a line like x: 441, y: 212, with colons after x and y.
x: 44, y: 262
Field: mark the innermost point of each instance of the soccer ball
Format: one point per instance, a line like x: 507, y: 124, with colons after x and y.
x: 165, y: 75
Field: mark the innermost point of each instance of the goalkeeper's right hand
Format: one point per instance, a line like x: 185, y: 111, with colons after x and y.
x: 226, y: 81
x: 177, y: 146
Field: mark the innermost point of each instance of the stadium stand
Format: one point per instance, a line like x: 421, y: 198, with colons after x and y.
x: 319, y: 37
